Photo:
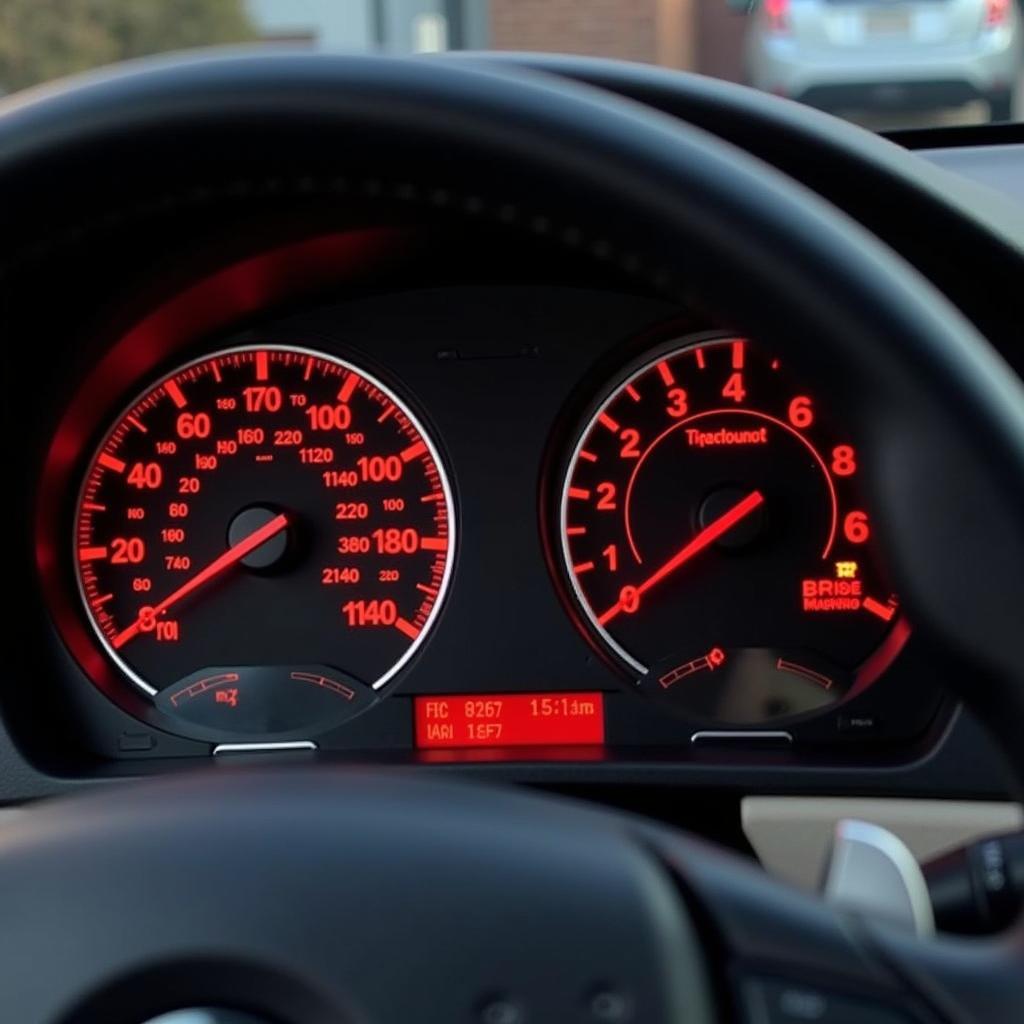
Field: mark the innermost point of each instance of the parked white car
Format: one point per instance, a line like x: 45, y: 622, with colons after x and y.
x: 887, y: 54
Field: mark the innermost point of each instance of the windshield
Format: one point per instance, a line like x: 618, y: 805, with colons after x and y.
x: 884, y: 63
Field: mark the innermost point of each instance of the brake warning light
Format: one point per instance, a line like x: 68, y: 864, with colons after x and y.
x: 842, y: 595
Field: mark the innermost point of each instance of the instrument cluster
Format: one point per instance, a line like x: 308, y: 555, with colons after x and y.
x: 467, y: 522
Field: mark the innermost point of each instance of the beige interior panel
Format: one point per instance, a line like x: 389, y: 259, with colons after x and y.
x: 791, y: 835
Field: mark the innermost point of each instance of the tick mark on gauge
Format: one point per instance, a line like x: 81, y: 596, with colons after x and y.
x: 262, y: 365
x: 668, y: 378
x: 175, y: 394
x: 414, y: 451
x: 91, y: 554
x: 112, y: 463
x: 348, y: 388
x: 406, y: 627
x: 606, y: 421
x: 883, y: 611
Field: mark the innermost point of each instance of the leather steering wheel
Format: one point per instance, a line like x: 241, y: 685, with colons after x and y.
x: 322, y: 895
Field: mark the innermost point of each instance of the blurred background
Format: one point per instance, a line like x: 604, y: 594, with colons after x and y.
x: 883, y: 63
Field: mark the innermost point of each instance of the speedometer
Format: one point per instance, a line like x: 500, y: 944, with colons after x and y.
x: 715, y: 538
x: 263, y: 539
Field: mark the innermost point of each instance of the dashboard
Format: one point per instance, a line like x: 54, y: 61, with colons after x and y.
x: 532, y: 523
x: 473, y: 519
x: 297, y: 478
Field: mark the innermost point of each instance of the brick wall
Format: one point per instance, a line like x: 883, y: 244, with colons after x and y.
x: 625, y: 29
x: 702, y: 35
x: 720, y: 31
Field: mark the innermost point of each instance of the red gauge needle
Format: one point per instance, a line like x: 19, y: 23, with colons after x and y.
x: 710, y: 533
x: 234, y: 554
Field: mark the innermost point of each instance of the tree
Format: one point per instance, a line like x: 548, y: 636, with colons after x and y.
x: 44, y: 39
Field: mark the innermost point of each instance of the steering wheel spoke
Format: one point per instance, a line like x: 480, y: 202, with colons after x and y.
x: 387, y: 898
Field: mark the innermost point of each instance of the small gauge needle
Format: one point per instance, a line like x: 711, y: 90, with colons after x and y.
x: 705, y: 537
x: 234, y: 554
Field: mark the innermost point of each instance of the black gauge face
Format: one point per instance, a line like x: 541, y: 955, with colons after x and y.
x: 263, y: 540
x: 716, y: 539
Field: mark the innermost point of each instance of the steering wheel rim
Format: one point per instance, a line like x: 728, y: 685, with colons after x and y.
x: 690, y: 216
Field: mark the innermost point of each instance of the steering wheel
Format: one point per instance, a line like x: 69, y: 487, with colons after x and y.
x: 325, y: 895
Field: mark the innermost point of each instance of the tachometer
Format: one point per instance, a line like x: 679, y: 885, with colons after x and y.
x: 717, y: 543
x: 263, y: 539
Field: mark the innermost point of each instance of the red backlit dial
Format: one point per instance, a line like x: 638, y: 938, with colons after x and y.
x: 716, y: 539
x: 263, y: 540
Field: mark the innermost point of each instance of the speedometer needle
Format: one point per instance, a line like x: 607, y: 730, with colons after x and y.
x: 234, y: 554
x: 629, y: 596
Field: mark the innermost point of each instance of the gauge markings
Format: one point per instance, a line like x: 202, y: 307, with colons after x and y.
x: 414, y: 451
x: 884, y: 611
x: 406, y: 627
x: 267, y: 514
x: 109, y: 462
x: 175, y: 394
x: 348, y: 389
x: 733, y: 484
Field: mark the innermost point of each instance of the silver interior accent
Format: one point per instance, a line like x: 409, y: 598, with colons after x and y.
x: 711, y: 735
x: 873, y: 872
x: 255, y: 748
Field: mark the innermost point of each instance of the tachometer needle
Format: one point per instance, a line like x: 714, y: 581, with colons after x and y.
x: 710, y: 533
x: 234, y: 554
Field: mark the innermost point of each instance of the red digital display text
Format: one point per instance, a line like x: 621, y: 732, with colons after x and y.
x: 503, y: 720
